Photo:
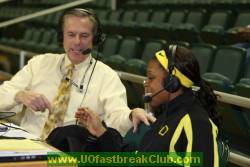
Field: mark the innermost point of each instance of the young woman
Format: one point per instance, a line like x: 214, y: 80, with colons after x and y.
x: 188, y: 120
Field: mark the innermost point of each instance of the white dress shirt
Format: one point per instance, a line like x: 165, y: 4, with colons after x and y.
x: 105, y: 95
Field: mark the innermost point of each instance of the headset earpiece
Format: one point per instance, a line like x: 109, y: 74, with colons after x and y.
x: 98, y: 35
x: 171, y: 83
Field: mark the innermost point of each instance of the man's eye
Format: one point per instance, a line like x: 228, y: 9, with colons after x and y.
x: 84, y: 35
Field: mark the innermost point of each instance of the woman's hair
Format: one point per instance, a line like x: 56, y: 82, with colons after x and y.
x: 187, y: 63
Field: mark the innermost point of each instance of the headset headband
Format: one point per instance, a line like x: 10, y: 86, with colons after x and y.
x: 163, y: 60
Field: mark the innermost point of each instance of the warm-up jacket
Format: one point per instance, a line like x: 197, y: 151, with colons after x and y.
x: 184, y: 126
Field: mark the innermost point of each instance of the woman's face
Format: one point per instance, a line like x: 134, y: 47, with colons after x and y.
x: 156, y: 75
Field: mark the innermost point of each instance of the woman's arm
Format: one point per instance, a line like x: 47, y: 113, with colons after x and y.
x: 109, y: 139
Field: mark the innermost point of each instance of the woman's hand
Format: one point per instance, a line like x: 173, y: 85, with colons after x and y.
x: 90, y: 120
x: 139, y: 115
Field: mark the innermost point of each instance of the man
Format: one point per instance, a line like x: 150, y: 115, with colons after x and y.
x: 93, y: 84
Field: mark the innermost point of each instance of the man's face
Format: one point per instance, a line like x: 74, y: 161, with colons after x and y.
x: 77, y: 37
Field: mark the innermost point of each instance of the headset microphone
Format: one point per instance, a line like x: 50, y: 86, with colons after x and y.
x: 86, y: 51
x: 148, y: 98
x: 80, y: 87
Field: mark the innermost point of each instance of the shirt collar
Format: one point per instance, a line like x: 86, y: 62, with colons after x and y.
x: 78, y: 66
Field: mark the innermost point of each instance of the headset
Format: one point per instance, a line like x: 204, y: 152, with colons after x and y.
x: 175, y: 78
x: 98, y: 32
x: 171, y: 83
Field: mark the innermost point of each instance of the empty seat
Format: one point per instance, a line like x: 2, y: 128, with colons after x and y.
x: 102, y: 15
x: 53, y: 47
x: 205, y: 55
x: 127, y: 17
x: 165, y: 30
x: 227, y: 68
x: 19, y: 42
x: 111, y: 45
x: 35, y: 40
x: 214, y: 31
x: 235, y: 127
x: 113, y: 18
x: 129, y: 47
x: 242, y: 88
x: 145, y: 29
x: 189, y: 31
x: 151, y: 47
x: 132, y: 27
x: 115, y: 62
x: 135, y: 91
x: 136, y: 66
x: 47, y: 37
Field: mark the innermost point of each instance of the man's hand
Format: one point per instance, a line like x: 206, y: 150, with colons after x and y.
x: 90, y: 120
x: 139, y: 115
x: 35, y: 101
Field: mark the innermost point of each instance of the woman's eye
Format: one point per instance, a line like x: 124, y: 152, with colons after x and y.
x: 151, y: 78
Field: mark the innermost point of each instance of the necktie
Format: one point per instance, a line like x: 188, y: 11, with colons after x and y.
x: 60, y: 105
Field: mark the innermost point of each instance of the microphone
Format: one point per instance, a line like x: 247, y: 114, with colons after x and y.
x: 148, y: 98
x: 80, y: 87
x: 86, y: 51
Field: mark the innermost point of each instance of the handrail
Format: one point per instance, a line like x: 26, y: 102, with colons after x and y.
x: 222, y: 97
x: 1, y: 1
x: 235, y: 158
x: 41, y: 13
x: 16, y: 51
x: 242, y: 160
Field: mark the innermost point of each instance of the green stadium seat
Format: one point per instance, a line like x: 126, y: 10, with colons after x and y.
x: 18, y: 42
x: 113, y: 17
x: 45, y: 41
x: 133, y: 27
x: 189, y: 30
x: 35, y: 39
x: 53, y: 47
x: 129, y: 47
x: 151, y: 47
x: 166, y: 29
x: 242, y: 88
x: 127, y: 17
x: 145, y: 29
x: 235, y: 127
x: 205, y: 55
x: 156, y: 18
x: 135, y: 91
x: 227, y: 68
x: 136, y: 66
x: 111, y: 45
x: 115, y: 62
x: 214, y: 31
x: 102, y: 15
